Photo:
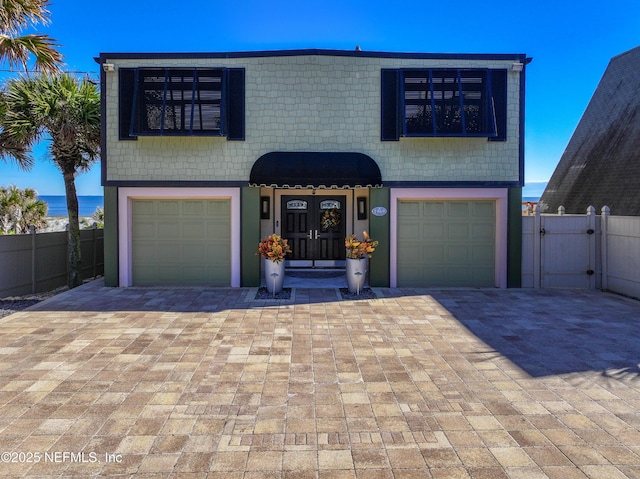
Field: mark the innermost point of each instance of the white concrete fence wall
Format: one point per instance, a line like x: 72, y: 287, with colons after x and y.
x: 581, y: 251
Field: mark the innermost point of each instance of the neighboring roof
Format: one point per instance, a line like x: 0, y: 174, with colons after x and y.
x: 601, y: 164
x: 315, y: 169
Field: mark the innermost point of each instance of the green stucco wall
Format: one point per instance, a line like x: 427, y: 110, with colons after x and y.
x: 250, y: 236
x: 514, y: 239
x: 110, y: 236
x: 379, y: 230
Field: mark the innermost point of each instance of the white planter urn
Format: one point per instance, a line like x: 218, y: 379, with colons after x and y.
x: 356, y: 270
x: 273, y: 275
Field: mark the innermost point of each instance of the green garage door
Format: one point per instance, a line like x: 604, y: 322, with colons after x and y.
x: 181, y: 242
x: 446, y: 243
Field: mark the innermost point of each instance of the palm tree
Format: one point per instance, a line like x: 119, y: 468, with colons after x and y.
x: 20, y: 209
x: 66, y: 111
x: 16, y: 49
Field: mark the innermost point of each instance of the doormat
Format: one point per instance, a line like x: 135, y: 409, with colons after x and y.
x: 320, y: 274
x: 365, y: 293
x: 264, y: 294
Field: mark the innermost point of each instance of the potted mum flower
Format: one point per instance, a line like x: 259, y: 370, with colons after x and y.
x: 273, y: 250
x: 358, y: 254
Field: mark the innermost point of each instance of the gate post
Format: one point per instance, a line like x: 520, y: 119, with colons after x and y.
x: 604, y: 257
x: 34, y: 271
x: 95, y: 249
x: 537, y: 238
x: 591, y: 228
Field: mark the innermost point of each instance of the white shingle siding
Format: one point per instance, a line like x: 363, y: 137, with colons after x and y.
x: 312, y: 103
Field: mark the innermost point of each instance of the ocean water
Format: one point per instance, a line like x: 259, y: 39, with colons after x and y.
x: 58, y: 204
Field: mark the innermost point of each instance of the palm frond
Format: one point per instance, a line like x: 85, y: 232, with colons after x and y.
x: 63, y: 107
x: 17, y: 51
x: 9, y: 150
x: 16, y: 15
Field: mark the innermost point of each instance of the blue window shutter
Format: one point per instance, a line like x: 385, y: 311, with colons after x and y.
x: 235, y: 104
x: 463, y: 120
x: 499, y: 92
x: 164, y: 101
x: 390, y: 124
x: 126, y: 84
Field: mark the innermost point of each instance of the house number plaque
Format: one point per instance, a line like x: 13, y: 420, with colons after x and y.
x: 296, y: 205
x: 329, y: 204
x: 379, y: 211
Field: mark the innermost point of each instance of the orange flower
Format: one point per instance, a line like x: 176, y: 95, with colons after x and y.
x: 357, y: 249
x: 274, y: 248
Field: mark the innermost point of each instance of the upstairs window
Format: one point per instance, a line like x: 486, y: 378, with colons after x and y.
x: 177, y: 102
x: 444, y: 102
x: 181, y: 102
x: 448, y: 102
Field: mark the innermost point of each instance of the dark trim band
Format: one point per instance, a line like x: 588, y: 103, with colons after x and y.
x: 451, y: 184
x: 520, y: 57
x: 175, y: 184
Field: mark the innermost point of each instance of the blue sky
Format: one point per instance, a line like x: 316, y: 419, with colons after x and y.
x: 571, y: 44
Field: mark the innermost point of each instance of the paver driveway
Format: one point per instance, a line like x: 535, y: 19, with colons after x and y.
x: 212, y: 383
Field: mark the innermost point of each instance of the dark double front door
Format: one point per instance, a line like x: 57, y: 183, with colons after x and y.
x: 315, y: 228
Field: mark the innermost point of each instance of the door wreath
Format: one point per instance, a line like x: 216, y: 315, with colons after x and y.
x: 330, y: 219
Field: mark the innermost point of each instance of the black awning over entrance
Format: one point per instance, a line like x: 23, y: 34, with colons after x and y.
x: 315, y: 169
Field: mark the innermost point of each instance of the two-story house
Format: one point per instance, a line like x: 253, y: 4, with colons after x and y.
x: 204, y: 154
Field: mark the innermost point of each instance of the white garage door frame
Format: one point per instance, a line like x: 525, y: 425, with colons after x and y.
x: 126, y: 195
x: 500, y: 195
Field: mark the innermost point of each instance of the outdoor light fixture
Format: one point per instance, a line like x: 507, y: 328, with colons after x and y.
x: 517, y: 67
x: 108, y: 67
x: 362, y: 208
x: 265, y: 207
